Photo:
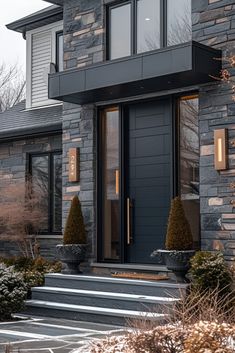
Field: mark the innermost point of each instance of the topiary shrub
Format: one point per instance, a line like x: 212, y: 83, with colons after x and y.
x: 179, y: 235
x: 75, y: 232
x: 13, y: 291
x: 210, y: 271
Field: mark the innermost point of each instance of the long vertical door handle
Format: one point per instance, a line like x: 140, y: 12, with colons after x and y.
x: 129, y: 221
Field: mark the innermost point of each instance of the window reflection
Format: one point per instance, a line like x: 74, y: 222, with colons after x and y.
x: 179, y: 23
x: 57, y: 193
x: 189, y: 162
x: 148, y: 25
x: 120, y: 27
x: 60, y: 51
x: 40, y: 185
x: 110, y: 179
x: 46, y: 176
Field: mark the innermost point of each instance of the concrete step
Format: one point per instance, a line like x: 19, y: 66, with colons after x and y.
x: 122, y: 301
x: 89, y: 313
x: 116, y: 285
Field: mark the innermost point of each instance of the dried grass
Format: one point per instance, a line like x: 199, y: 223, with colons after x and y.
x: 198, y: 323
x: 21, y: 215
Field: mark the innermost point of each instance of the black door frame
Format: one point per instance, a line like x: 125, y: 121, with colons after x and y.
x: 123, y: 126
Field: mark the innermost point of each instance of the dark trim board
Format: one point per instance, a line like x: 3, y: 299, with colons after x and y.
x: 32, y: 132
x: 37, y: 19
x: 169, y: 68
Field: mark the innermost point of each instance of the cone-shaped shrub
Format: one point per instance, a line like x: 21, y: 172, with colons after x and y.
x: 179, y: 235
x: 75, y: 232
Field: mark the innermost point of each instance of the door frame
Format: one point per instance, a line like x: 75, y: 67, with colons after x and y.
x: 123, y: 155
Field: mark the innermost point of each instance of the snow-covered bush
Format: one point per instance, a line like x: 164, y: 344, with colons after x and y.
x: 12, y: 292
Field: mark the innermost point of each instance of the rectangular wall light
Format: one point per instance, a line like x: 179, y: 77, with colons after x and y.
x: 74, y: 161
x: 221, y: 149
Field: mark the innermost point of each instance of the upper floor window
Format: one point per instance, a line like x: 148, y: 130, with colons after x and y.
x: 137, y: 26
x: 59, y: 51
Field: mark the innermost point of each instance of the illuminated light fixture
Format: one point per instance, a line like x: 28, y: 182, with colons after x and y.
x: 117, y: 181
x: 221, y: 149
x: 74, y: 162
x: 147, y: 19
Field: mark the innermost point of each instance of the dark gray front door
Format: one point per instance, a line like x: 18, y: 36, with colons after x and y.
x: 150, y: 178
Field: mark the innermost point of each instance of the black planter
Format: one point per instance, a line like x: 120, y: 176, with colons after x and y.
x: 71, y: 256
x: 177, y: 261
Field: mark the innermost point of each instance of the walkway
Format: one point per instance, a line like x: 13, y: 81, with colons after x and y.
x: 47, y: 335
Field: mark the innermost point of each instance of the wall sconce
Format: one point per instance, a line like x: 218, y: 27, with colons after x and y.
x: 74, y: 164
x: 221, y: 149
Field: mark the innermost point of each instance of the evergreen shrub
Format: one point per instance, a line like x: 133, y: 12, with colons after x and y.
x: 75, y: 232
x: 179, y: 235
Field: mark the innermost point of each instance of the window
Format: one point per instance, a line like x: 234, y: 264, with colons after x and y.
x: 179, y: 25
x: 59, y: 51
x: 148, y: 25
x: 189, y: 162
x: 110, y: 183
x: 138, y: 26
x: 46, y: 174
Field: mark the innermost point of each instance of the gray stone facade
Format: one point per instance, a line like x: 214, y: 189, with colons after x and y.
x: 214, y: 25
x: 83, y: 45
x: 13, y: 167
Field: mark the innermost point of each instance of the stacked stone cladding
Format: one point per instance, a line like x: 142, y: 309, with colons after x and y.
x: 214, y: 25
x: 83, y: 45
x: 13, y: 167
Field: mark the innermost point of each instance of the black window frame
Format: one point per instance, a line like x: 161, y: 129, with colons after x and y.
x: 133, y: 24
x: 57, y: 60
x: 50, y: 155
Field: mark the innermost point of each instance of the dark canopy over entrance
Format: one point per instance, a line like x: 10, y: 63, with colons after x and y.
x: 163, y: 69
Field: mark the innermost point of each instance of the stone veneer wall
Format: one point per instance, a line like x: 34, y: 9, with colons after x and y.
x: 214, y: 25
x: 13, y: 167
x: 83, y: 45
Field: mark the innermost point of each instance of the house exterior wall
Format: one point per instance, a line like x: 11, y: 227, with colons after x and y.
x: 13, y: 167
x: 84, y: 44
x: 214, y: 25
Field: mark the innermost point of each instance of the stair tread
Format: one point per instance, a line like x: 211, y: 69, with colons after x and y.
x: 103, y: 279
x: 93, y: 310
x: 107, y: 295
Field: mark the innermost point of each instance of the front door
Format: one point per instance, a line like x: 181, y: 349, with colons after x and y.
x: 149, y: 177
x: 135, y: 180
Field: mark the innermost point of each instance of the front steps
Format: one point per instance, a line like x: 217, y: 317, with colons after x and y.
x: 102, y: 299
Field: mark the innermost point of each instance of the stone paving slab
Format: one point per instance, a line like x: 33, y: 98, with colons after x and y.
x: 48, y: 335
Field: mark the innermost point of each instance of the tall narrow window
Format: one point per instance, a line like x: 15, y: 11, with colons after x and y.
x: 110, y: 181
x: 46, y: 175
x: 179, y: 23
x: 59, y: 51
x: 189, y: 162
x: 120, y: 31
x: 148, y: 25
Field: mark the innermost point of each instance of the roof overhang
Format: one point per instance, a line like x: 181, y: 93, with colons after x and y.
x: 164, y: 69
x: 38, y: 19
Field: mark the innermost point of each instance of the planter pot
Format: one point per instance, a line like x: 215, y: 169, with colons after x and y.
x: 176, y: 261
x: 71, y: 256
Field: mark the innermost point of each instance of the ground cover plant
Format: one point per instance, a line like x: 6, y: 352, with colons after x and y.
x: 32, y: 270
x: 13, y: 291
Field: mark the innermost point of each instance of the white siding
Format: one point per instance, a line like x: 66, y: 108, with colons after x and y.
x: 41, y: 58
x: 41, y: 51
